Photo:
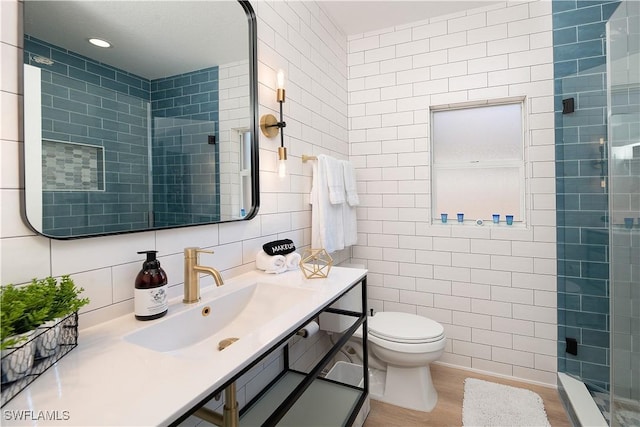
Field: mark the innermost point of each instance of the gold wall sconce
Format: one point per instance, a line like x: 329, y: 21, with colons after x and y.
x: 270, y: 127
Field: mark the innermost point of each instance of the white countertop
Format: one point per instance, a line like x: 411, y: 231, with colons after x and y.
x: 108, y: 381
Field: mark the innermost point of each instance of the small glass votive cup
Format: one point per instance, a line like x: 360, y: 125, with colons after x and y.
x: 628, y: 223
x: 460, y: 217
x: 509, y: 219
x: 496, y: 218
x: 443, y: 217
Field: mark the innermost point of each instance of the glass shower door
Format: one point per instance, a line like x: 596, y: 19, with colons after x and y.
x: 623, y: 51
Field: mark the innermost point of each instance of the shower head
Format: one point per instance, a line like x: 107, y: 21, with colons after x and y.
x: 42, y: 60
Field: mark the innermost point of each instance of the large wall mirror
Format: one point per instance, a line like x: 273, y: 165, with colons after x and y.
x: 154, y: 129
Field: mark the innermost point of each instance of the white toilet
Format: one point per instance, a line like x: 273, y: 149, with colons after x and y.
x: 401, y: 346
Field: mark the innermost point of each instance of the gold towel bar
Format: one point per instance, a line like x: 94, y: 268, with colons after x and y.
x: 306, y: 158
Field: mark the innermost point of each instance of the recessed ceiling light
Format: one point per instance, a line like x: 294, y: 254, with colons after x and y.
x: 99, y: 42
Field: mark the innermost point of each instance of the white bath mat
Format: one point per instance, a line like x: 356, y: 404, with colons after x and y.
x: 490, y: 404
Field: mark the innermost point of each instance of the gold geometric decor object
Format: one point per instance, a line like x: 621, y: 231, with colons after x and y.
x: 316, y: 263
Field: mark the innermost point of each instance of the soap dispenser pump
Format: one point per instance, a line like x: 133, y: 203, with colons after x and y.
x: 150, y: 297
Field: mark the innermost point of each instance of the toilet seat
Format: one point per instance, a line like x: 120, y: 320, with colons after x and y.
x: 404, y: 328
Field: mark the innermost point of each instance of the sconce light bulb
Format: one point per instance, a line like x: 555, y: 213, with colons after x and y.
x: 282, y: 168
x: 282, y: 162
x: 280, y: 79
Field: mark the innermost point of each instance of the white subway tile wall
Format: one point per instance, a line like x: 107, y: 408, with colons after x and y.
x: 366, y: 98
x: 295, y: 37
x: 493, y: 288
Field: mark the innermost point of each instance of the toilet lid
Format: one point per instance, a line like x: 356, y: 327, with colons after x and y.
x: 404, y: 327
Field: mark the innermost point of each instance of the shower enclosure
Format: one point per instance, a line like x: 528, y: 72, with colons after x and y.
x: 597, y: 104
x: 623, y: 101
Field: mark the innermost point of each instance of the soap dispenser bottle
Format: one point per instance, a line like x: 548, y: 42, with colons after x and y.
x: 150, y: 296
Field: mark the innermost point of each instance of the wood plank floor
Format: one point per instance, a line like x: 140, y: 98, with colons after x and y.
x: 449, y: 382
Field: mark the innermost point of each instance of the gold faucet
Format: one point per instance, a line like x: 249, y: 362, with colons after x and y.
x: 192, y: 276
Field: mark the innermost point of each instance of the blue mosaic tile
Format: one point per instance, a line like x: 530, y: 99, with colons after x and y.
x: 590, y: 354
x: 105, y: 113
x: 596, y: 30
x: 100, y: 70
x: 69, y: 128
x: 582, y: 185
x: 191, y: 109
x: 595, y: 304
x: 595, y: 338
x: 68, y: 82
x: 84, y: 76
x: 35, y: 47
x: 592, y: 99
x: 139, y: 93
x: 55, y: 90
x: 578, y: 50
x: 589, y: 151
x: 595, y: 253
x: 103, y: 93
x: 56, y: 114
x: 572, y: 18
x: 584, y: 320
x: 595, y: 372
x: 567, y: 168
x: 85, y: 98
x: 566, y: 268
x: 578, y: 285
x: 85, y: 120
x: 596, y: 64
x: 593, y: 236
x: 566, y: 135
x: 102, y: 134
x: 129, y: 80
x: 564, y: 5
x: 590, y: 136
x: 565, y: 36
x: 114, y: 85
x: 570, y: 301
x: 583, y: 83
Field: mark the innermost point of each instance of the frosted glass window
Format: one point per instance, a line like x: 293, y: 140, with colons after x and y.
x: 478, y: 162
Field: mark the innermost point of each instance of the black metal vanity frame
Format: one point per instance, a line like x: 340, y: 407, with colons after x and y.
x: 280, y: 411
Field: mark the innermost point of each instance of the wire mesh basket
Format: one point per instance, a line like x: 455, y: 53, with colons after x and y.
x: 21, y: 365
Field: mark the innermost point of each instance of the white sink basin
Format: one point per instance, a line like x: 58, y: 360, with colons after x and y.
x: 232, y: 315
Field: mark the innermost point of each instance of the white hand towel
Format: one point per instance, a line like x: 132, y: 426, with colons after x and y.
x: 293, y: 260
x: 335, y: 179
x: 271, y: 264
x: 350, y: 185
x: 326, y: 218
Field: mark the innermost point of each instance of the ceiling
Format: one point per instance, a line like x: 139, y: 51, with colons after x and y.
x: 151, y: 39
x: 144, y: 43
x: 361, y: 16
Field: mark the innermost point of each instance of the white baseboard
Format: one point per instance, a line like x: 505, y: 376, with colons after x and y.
x: 493, y: 374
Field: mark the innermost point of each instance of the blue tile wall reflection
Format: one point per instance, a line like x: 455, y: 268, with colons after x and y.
x: 185, y: 173
x: 78, y: 106
x: 93, y: 103
x: 582, y: 200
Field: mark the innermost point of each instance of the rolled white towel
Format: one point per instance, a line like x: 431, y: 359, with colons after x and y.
x: 293, y: 260
x: 271, y: 264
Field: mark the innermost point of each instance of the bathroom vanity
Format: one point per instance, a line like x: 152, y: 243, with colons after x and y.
x: 297, y: 398
x: 126, y: 372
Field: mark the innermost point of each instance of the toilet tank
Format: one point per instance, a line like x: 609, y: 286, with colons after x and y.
x: 352, y: 301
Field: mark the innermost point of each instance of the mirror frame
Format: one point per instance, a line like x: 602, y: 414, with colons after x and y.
x: 255, y: 166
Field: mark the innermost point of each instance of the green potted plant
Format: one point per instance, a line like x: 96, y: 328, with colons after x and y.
x: 21, y: 312
x: 41, y: 304
x: 62, y: 299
